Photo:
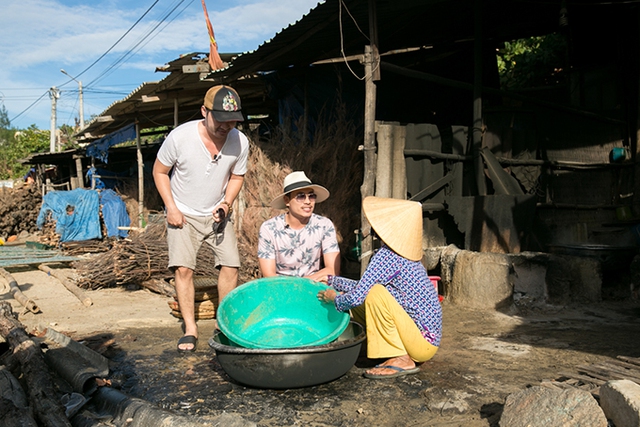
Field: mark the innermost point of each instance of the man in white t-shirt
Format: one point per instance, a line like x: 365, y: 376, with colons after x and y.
x: 299, y: 242
x: 199, y: 172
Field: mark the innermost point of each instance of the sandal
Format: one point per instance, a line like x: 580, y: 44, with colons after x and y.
x: 188, y: 339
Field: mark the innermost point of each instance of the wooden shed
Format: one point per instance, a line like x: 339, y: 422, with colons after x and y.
x: 549, y: 167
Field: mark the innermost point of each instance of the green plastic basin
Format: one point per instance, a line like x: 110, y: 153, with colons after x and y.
x: 279, y: 312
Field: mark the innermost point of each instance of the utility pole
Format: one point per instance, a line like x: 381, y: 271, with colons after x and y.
x: 54, y: 94
x: 80, y: 97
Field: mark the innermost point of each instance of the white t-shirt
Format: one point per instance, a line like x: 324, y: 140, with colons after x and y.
x: 198, y: 181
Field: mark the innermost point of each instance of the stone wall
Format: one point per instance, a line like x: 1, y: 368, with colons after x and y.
x: 490, y: 280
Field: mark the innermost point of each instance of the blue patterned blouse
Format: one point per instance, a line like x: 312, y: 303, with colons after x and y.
x: 406, y: 280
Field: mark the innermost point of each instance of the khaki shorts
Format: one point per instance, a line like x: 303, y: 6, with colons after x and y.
x: 185, y: 242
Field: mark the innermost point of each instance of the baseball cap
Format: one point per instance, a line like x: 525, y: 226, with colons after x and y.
x: 224, y: 103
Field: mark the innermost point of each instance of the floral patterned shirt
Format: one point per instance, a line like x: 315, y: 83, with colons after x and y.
x: 407, y: 281
x: 297, y: 252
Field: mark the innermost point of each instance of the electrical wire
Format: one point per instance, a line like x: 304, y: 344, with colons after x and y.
x: 117, y: 41
x: 346, y: 61
x: 29, y: 107
x: 149, y: 35
x: 93, y: 63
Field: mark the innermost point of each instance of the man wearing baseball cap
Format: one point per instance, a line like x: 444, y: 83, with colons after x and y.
x: 199, y: 172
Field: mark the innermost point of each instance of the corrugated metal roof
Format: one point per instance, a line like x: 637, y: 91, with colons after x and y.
x: 152, y: 103
x: 11, y: 256
x: 334, y: 29
x: 331, y: 31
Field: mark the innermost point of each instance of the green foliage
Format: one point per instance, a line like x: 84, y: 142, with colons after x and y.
x: 19, y: 146
x: 532, y: 62
x: 66, y: 138
x: 4, y: 118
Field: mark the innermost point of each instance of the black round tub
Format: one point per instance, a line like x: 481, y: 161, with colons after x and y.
x: 289, y: 367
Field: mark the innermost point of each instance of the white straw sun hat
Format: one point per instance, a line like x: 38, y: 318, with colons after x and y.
x: 295, y: 181
x: 398, y: 223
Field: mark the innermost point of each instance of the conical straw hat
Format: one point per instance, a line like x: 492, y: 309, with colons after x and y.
x: 398, y: 223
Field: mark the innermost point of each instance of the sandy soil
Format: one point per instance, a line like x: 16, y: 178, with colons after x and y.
x: 484, y: 356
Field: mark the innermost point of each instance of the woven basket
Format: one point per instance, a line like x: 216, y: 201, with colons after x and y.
x: 201, y: 282
x: 203, y: 310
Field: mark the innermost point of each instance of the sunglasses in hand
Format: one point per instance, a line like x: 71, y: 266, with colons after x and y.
x: 218, y: 227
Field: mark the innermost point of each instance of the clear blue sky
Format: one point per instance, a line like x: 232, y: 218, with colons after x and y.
x: 40, y: 37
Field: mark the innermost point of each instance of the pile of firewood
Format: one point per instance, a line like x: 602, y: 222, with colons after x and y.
x: 331, y: 159
x: 141, y: 257
x: 19, y: 209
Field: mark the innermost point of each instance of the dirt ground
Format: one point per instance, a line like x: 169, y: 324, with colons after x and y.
x: 485, y: 356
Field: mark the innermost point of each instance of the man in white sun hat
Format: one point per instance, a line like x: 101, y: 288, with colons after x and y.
x: 199, y: 172
x: 299, y: 242
x: 401, y: 309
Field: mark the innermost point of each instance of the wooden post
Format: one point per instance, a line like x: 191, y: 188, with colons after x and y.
x: 371, y: 74
x: 79, y: 171
x: 175, y: 112
x: 384, y: 166
x: 369, y: 148
x: 477, y: 99
x: 140, y: 179
x: 399, y: 164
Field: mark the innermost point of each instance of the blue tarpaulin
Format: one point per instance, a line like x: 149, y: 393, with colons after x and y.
x: 114, y: 213
x: 99, y: 149
x: 77, y: 213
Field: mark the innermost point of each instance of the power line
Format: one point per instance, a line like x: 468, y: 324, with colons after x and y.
x: 32, y: 104
x: 131, y: 50
x: 117, y: 41
x: 93, y: 63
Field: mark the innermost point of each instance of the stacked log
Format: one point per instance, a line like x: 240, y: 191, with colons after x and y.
x: 42, y: 393
x: 19, y: 209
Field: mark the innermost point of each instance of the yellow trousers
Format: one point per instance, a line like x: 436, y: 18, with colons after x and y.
x: 390, y: 330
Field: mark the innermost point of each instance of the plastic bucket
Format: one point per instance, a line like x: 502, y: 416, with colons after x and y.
x: 279, y: 312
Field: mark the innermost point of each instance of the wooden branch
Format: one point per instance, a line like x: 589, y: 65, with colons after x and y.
x: 40, y: 387
x: 67, y: 284
x: 159, y: 286
x: 17, y: 293
x: 632, y: 360
x: 584, y: 378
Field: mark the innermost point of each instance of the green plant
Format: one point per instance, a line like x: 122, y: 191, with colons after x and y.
x: 20, y: 145
x: 532, y: 62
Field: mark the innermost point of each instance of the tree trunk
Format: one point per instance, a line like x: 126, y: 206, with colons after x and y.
x: 14, y: 406
x: 71, y: 287
x: 41, y: 391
